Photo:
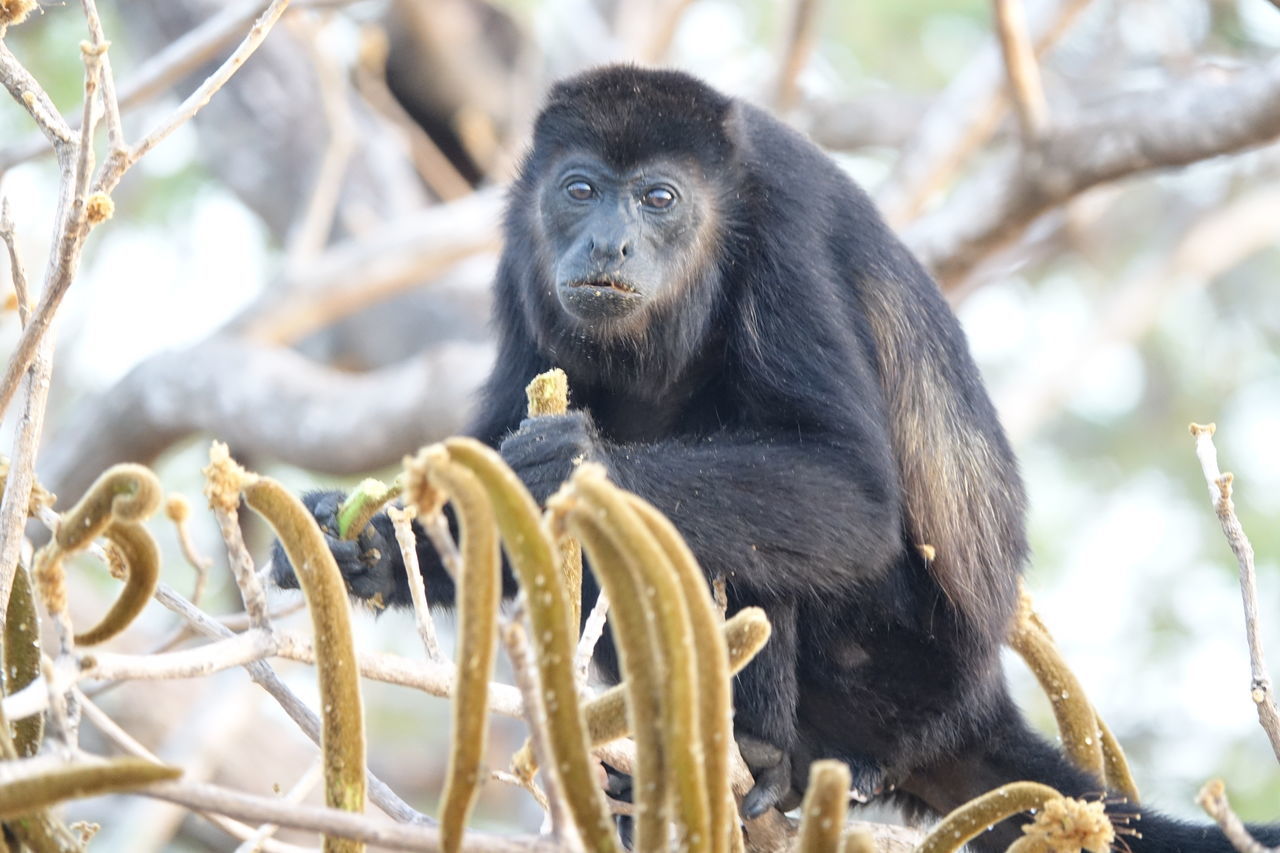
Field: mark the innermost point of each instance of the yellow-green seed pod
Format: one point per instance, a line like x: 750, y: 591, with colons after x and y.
x: 966, y: 822
x: 478, y: 598
x: 534, y: 561
x: 142, y: 561
x: 342, y: 712
x: 826, y: 800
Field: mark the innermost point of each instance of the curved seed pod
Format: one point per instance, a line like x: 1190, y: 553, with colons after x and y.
x: 342, y: 718
x: 745, y: 633
x: 825, y: 802
x: 124, y: 492
x: 1118, y: 775
x: 715, y: 688
x: 22, y: 658
x: 966, y: 822
x: 535, y: 563
x: 142, y: 572
x: 666, y: 599
x: 644, y: 679
x: 35, y: 783
x: 363, y: 504
x: 478, y: 598
x: 548, y: 394
x: 1077, y: 723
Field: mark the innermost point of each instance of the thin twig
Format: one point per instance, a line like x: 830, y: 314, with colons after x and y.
x: 439, y: 174
x: 798, y: 47
x: 437, y: 530
x: 1213, y: 799
x: 1021, y: 68
x: 962, y: 118
x: 17, y: 272
x: 394, y: 836
x: 539, y: 796
x: 115, y: 168
x: 306, y: 782
x: 31, y: 95
x: 1220, y: 494
x: 242, y: 568
x: 516, y: 642
x: 402, y: 519
x: 592, y: 630
x: 110, y: 105
x: 311, y: 232
x: 113, y: 732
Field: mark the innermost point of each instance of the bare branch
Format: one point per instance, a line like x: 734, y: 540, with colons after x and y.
x: 311, y: 232
x: 26, y: 91
x: 1021, y: 68
x: 592, y: 631
x: 963, y: 117
x: 17, y: 272
x: 116, y: 166
x: 359, y: 272
x: 798, y: 47
x: 1133, y: 133
x: 212, y: 798
x: 1220, y: 494
x: 355, y: 423
x: 110, y: 105
x: 1213, y: 799
x: 402, y: 520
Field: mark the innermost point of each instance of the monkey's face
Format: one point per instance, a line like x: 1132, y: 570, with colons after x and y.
x: 622, y: 242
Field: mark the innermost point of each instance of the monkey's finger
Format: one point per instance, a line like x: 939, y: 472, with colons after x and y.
x: 773, y: 784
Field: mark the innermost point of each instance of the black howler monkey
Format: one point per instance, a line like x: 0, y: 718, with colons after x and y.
x: 751, y: 349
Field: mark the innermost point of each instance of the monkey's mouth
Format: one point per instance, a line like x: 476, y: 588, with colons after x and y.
x: 599, y: 298
x: 604, y: 284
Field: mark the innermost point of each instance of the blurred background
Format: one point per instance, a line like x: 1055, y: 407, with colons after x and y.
x: 303, y: 272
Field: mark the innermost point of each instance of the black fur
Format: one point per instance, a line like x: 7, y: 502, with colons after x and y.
x: 798, y: 398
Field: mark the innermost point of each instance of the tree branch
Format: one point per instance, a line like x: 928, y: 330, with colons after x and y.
x: 1021, y: 69
x: 1133, y: 133
x: 256, y: 397
x: 1260, y: 689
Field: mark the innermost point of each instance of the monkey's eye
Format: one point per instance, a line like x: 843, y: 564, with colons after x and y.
x: 658, y: 198
x: 580, y: 191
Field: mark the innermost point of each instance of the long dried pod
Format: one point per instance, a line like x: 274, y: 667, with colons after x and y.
x: 826, y: 801
x: 548, y: 394
x: 342, y: 713
x: 478, y: 598
x: 31, y: 784
x: 666, y: 599
x: 711, y: 656
x: 124, y: 492
x: 22, y: 658
x: 1118, y: 776
x: 642, y: 669
x: 1077, y: 724
x: 534, y: 561
x: 745, y: 633
x: 141, y: 573
x: 972, y: 818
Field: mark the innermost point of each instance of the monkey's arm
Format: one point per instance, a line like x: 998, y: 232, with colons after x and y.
x: 782, y: 519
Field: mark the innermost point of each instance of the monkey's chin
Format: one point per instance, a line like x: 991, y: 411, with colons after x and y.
x: 593, y: 302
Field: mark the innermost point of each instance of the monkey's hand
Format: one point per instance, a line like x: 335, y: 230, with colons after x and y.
x: 369, y: 564
x: 545, y: 450
x: 771, y: 768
